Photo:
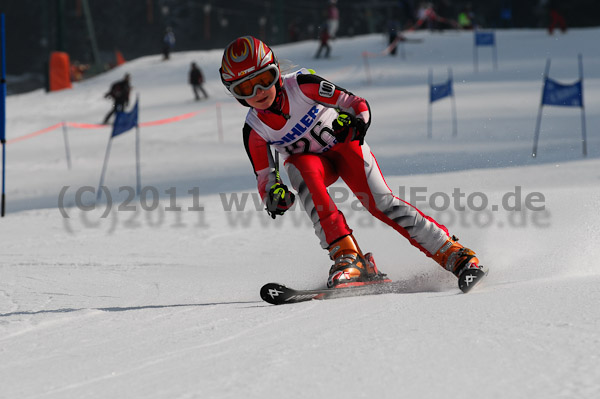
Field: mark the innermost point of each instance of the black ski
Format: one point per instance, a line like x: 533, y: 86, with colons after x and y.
x: 278, y: 294
x: 470, y: 278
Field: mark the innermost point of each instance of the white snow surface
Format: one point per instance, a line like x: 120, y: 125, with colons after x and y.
x: 161, y: 303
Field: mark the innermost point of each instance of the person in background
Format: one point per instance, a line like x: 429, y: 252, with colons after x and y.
x: 465, y: 18
x: 119, y: 93
x: 324, y: 45
x: 333, y: 19
x: 392, y: 29
x: 77, y: 71
x: 428, y: 17
x: 506, y: 14
x: 556, y: 13
x: 168, y: 43
x: 196, y: 79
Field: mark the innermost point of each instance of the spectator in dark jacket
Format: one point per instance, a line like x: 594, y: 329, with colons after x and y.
x: 119, y: 92
x: 196, y: 79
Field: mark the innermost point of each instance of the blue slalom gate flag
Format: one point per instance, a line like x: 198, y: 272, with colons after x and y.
x: 562, y: 95
x: 125, y: 121
x: 437, y: 92
x: 485, y: 39
x: 3, y: 111
x: 2, y: 81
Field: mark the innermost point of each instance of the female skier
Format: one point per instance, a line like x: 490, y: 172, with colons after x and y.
x: 319, y: 129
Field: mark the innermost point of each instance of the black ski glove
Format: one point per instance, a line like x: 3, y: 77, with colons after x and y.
x: 348, y: 124
x: 279, y: 200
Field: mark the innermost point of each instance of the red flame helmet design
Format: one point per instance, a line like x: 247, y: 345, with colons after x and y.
x: 245, y: 55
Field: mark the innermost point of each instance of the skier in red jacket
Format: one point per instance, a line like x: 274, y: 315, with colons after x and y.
x: 319, y: 129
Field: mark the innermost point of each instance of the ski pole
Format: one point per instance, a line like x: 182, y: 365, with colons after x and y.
x: 277, y: 166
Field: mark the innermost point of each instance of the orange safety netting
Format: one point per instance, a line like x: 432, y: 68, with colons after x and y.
x: 97, y: 126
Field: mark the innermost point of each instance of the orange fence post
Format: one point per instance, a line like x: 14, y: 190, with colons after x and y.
x: 59, y: 72
x: 119, y: 57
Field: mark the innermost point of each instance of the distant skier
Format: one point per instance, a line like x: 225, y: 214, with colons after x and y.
x: 319, y: 129
x: 119, y: 92
x: 465, y: 18
x: 196, y: 79
x: 427, y: 15
x: 333, y: 18
x: 556, y: 13
x: 324, y: 45
x: 168, y: 43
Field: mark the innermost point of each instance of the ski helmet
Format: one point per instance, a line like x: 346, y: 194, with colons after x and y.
x: 245, y: 56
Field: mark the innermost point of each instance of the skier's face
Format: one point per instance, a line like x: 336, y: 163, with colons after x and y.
x: 263, y: 98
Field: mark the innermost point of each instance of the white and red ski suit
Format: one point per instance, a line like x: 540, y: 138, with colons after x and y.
x: 301, y: 131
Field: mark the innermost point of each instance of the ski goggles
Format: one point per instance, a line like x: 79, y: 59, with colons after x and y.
x: 263, y: 79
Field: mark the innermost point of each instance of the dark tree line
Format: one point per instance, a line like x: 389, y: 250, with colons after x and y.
x: 135, y: 27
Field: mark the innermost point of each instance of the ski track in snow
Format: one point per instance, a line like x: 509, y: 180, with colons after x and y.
x: 164, y: 304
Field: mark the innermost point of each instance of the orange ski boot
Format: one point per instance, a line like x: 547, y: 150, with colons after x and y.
x: 462, y: 262
x: 351, y: 267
